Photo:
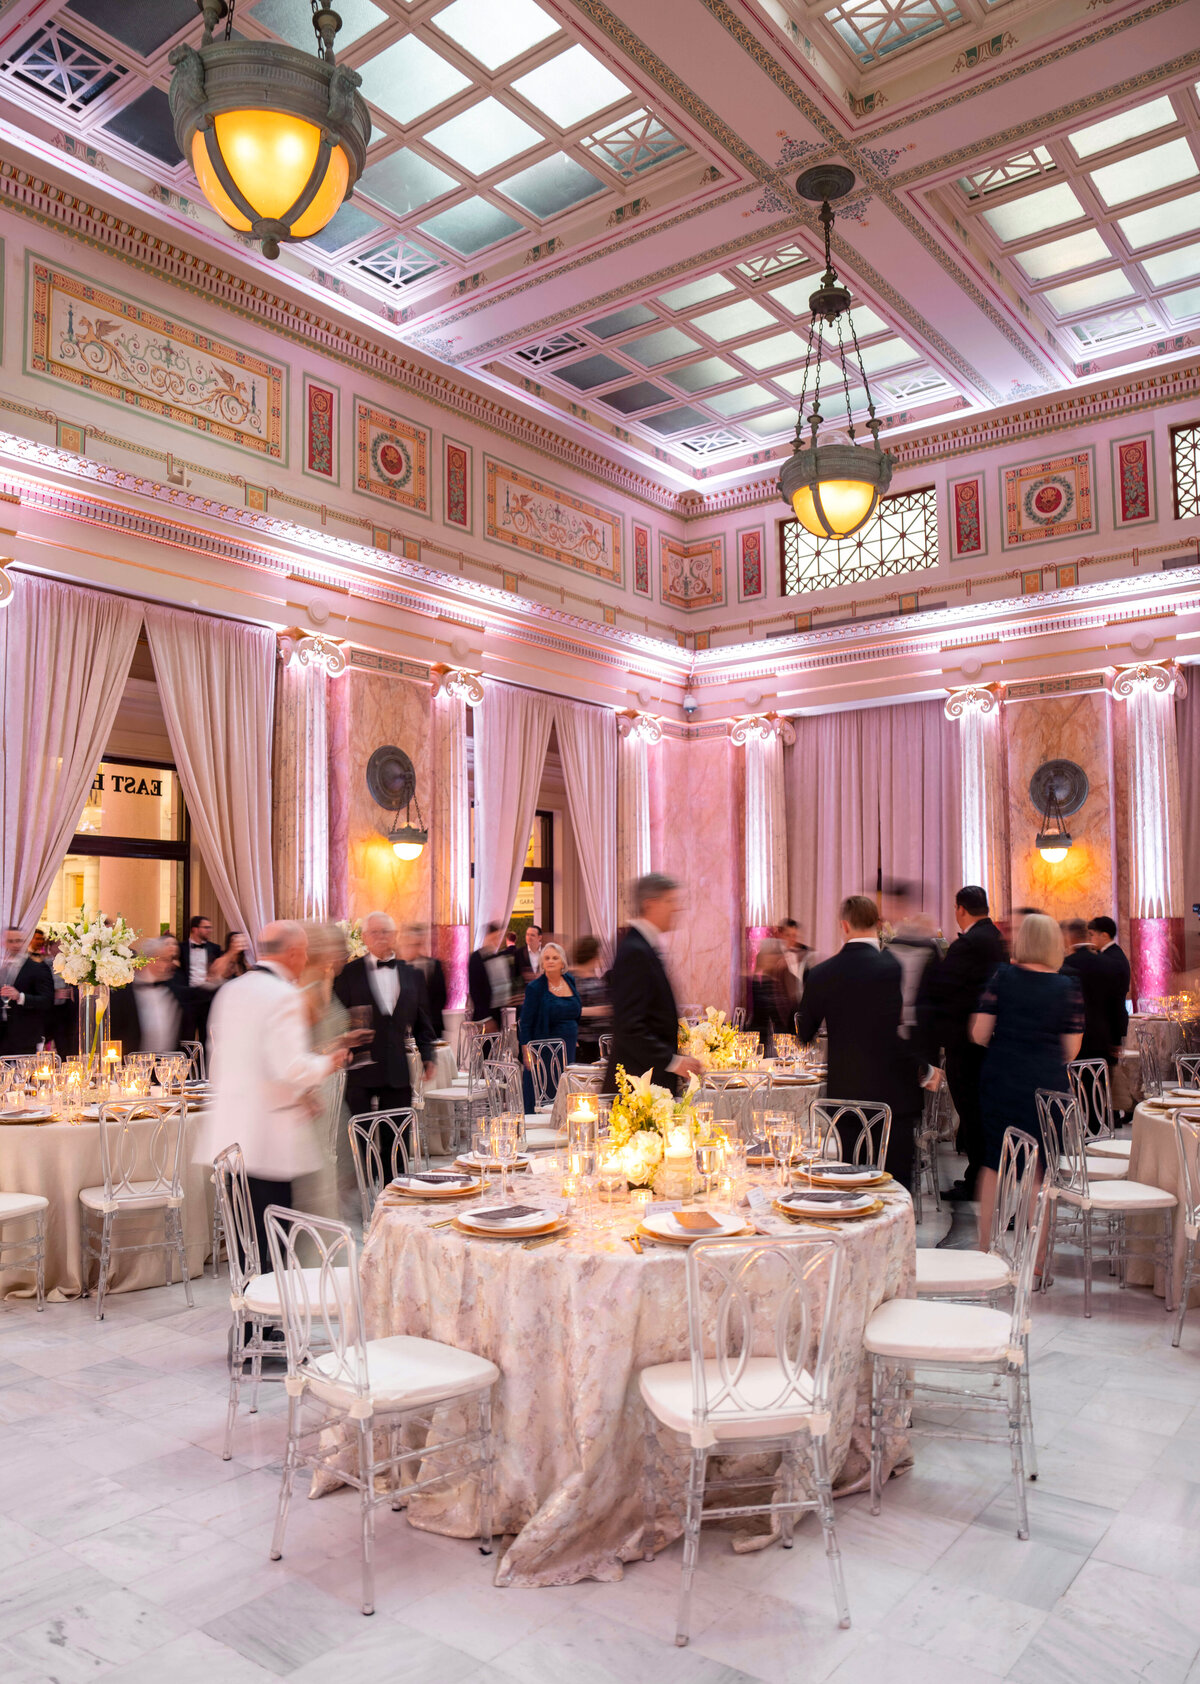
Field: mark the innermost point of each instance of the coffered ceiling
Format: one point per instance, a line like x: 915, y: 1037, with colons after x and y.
x: 592, y: 206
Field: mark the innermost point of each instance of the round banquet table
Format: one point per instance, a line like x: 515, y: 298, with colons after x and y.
x: 728, y: 1099
x: 58, y: 1160
x: 569, y: 1325
x: 1154, y: 1160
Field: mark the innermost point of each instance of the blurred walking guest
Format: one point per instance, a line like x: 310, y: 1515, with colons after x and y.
x: 489, y: 976
x: 592, y: 986
x: 264, y: 1078
x: 1085, y: 965
x: 645, y: 1027
x: 956, y: 987
x: 1116, y: 973
x: 232, y: 961
x: 528, y: 958
x: 200, y: 954
x: 414, y: 950
x: 858, y: 996
x: 26, y: 996
x: 379, y: 1079
x: 147, y: 1014
x: 1030, y: 1020
x: 798, y: 958
x: 772, y: 1001
x: 550, y: 1011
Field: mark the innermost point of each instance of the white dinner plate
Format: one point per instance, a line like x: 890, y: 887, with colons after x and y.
x: 840, y: 1172
x: 804, y: 1201
x: 663, y: 1222
x: 519, y: 1225
x: 470, y: 1161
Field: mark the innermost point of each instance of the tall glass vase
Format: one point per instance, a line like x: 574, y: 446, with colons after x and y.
x: 93, y: 1027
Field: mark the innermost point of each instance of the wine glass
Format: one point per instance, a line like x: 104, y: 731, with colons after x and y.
x: 361, y: 1018
x: 708, y: 1161
x: 506, y: 1140
x: 781, y: 1132
x: 481, y: 1144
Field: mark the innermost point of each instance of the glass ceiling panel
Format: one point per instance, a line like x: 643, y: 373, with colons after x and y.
x: 629, y: 399
x: 795, y: 295
x: 769, y: 353
x: 350, y: 223
x: 682, y: 420
x: 483, y: 136
x: 739, y: 401
x: 1120, y: 324
x: 1162, y: 222
x: 697, y: 377
x: 886, y: 355
x: 404, y: 181
x: 1060, y: 256
x: 1183, y: 305
x: 592, y: 371
x: 494, y: 31
x: 552, y: 186
x: 632, y: 145
x: 1173, y: 265
x: 654, y: 348
x: 734, y: 320
x: 143, y: 29
x: 1022, y: 217
x: 1086, y: 295
x: 696, y: 292
x: 633, y: 315
x: 1145, y: 172
x: 571, y: 87
x: 468, y: 227
x: 774, y: 422
x: 408, y: 78
x: 293, y: 23
x: 793, y: 380
x: 1098, y: 137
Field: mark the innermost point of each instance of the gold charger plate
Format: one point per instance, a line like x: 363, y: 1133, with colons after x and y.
x: 554, y: 1226
x: 844, y: 1185
x: 827, y: 1213
x: 651, y: 1234
x: 492, y: 1165
x: 434, y: 1191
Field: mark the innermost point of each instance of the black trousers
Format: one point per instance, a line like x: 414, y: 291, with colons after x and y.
x: 900, y: 1146
x: 262, y: 1194
x: 964, y: 1073
x: 360, y: 1099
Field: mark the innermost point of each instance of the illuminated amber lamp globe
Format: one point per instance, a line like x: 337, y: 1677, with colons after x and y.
x: 832, y: 488
x: 277, y: 137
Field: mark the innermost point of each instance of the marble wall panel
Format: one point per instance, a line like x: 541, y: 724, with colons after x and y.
x: 1075, y: 728
x: 700, y: 835
x: 379, y: 710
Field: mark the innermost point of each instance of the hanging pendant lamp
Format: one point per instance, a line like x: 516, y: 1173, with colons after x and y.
x: 277, y: 137
x: 832, y: 488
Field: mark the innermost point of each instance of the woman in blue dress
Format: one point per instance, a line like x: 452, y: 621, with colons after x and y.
x: 1030, y: 1019
x: 550, y: 1011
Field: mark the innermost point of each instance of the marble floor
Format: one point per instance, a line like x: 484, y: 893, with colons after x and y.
x: 130, y: 1551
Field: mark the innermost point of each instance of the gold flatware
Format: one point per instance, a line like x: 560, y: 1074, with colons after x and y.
x: 542, y: 1239
x: 632, y: 1239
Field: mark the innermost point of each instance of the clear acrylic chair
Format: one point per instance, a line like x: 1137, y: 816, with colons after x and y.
x: 946, y: 1272
x: 386, y: 1395
x: 906, y: 1336
x: 1072, y: 1187
x: 380, y: 1153
x: 604, y: 1042
x: 1187, y: 1070
x: 1187, y: 1144
x: 126, y: 1152
x: 195, y: 1051
x: 735, y: 1096
x: 1091, y: 1089
x: 761, y: 1314
x: 925, y: 1149
x: 866, y: 1126
x: 546, y: 1061
x: 1146, y: 1036
x: 738, y: 1019
x: 27, y: 1251
x: 253, y: 1295
x: 504, y: 1090
x: 468, y: 1101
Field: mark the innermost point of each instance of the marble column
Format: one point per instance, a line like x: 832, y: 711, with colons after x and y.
x: 763, y: 736
x: 300, y: 777
x: 984, y: 792
x: 1155, y: 829
x: 637, y: 735
x: 455, y: 692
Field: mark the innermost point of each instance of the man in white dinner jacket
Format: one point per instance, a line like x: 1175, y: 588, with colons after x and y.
x: 264, y: 1076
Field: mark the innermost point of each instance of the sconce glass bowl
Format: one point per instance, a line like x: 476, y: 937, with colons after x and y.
x: 408, y: 843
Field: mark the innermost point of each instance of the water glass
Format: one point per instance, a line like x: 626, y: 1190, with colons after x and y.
x: 781, y: 1132
x: 506, y: 1142
x: 708, y: 1161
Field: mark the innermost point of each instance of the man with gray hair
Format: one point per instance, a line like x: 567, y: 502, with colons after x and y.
x: 264, y: 1075
x: 645, y: 1018
x: 147, y: 1015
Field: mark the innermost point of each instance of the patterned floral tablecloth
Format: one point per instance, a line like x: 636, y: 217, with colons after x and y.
x: 570, y: 1325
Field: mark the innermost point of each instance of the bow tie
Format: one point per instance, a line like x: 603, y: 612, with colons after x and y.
x: 385, y: 964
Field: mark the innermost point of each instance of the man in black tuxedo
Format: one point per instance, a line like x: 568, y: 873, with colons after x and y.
x: 490, y: 977
x: 395, y: 992
x: 1084, y: 964
x: 200, y: 953
x: 859, y: 997
x: 414, y: 950
x: 147, y: 1016
x: 1115, y: 969
x: 26, y: 997
x: 645, y: 1019
x: 955, y: 988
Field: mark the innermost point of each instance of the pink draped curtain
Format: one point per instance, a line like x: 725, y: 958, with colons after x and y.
x: 872, y: 792
x: 64, y: 658
x: 1187, y: 729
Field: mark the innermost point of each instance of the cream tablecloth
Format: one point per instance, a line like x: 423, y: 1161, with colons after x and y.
x: 1154, y: 1159
x: 569, y: 1326
x: 58, y: 1160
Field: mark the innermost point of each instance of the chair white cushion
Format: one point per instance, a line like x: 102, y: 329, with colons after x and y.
x: 405, y: 1373
x: 1109, y: 1149
x: 1132, y: 1197
x: 924, y: 1331
x: 538, y: 1138
x: 1100, y: 1169
x: 971, y: 1273
x: 139, y: 1197
x: 667, y: 1393
x: 261, y: 1296
x: 21, y: 1204
x: 452, y: 1096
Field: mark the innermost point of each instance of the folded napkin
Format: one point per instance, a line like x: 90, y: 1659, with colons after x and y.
x: 823, y: 1196
x: 842, y: 1169
x: 438, y: 1178
x: 507, y: 1213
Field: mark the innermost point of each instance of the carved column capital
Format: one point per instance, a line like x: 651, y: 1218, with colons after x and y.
x: 1166, y: 680
x: 642, y: 725
x: 763, y: 726
x: 459, y: 684
x: 312, y: 651
x: 976, y: 698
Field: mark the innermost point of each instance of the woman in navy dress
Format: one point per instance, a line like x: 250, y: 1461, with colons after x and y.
x: 550, y: 1010
x: 1030, y: 1019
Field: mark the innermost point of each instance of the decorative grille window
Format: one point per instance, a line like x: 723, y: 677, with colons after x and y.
x: 400, y: 263
x: 1020, y: 167
x: 1185, y: 469
x: 64, y: 69
x: 900, y: 537
x: 874, y: 28
x: 634, y: 145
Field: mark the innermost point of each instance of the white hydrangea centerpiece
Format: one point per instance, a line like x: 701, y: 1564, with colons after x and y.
x: 351, y: 928
x: 712, y: 1040
x: 96, y: 952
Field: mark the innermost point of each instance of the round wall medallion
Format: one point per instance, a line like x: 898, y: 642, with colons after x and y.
x: 391, y: 779
x: 1061, y: 784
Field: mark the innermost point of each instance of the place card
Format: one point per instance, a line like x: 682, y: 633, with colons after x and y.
x: 697, y: 1222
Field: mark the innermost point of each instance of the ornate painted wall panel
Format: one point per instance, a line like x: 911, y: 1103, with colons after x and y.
x: 968, y: 526
x: 693, y: 575
x: 1134, y: 501
x: 643, y: 584
x: 1049, y: 499
x: 391, y: 458
x: 751, y: 565
x: 456, y: 483
x: 100, y: 341
x: 543, y: 520
x: 321, y: 430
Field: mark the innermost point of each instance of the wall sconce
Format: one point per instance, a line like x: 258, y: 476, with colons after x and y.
x: 392, y: 783
x: 1057, y: 789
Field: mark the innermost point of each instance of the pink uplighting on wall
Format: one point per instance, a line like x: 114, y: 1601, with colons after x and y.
x: 1156, y: 956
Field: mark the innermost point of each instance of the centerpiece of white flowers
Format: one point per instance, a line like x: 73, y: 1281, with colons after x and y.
x: 713, y: 1041
x: 95, y: 954
x: 647, y: 1124
x: 351, y: 928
